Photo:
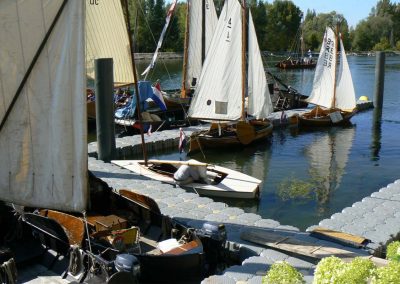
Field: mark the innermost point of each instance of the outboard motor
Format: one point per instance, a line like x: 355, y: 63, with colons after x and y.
x: 127, y: 263
x: 213, y: 237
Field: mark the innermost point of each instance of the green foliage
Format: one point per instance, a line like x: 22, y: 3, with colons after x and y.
x: 393, y: 251
x: 292, y: 188
x: 334, y: 270
x: 383, y: 45
x: 387, y: 274
x: 283, y: 272
x: 283, y: 23
x: 398, y: 45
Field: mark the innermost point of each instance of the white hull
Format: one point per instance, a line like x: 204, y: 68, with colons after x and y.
x: 234, y: 185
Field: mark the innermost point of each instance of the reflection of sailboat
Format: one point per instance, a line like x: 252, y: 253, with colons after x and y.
x: 328, y: 157
x: 335, y: 99
x: 44, y: 155
x: 226, y: 80
x: 106, y: 37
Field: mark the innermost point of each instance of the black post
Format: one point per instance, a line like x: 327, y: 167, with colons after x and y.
x: 379, y: 79
x: 104, y: 81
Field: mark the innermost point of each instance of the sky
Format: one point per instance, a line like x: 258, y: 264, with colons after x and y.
x: 353, y: 10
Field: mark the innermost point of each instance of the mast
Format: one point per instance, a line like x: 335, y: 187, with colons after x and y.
x: 244, y: 21
x: 185, y: 52
x: 136, y: 83
x: 203, y: 33
x: 335, y: 65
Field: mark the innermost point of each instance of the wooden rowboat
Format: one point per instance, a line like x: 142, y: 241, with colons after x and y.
x: 222, y: 182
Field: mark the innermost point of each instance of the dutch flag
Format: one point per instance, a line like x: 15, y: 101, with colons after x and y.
x: 158, y: 96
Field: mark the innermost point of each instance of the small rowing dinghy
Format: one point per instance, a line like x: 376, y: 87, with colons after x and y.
x: 220, y: 182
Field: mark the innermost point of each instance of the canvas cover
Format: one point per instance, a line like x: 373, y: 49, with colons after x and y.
x: 219, y: 93
x: 107, y: 37
x: 259, y: 98
x: 195, y: 43
x: 324, y: 78
x: 43, y: 150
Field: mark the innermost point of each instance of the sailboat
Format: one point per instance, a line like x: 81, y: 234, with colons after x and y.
x: 333, y: 95
x: 201, y: 21
x: 297, y: 58
x: 43, y: 147
x: 226, y: 80
x: 105, y: 24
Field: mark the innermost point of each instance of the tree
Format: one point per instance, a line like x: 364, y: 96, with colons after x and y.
x: 259, y: 13
x: 283, y: 23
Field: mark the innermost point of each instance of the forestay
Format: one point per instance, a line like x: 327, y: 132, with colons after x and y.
x: 43, y: 149
x: 107, y: 37
x: 324, y: 78
x: 199, y: 38
x: 259, y: 98
x: 345, y: 95
x: 219, y: 93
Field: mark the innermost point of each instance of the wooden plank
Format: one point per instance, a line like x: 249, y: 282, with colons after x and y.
x: 176, y: 162
x: 339, y: 237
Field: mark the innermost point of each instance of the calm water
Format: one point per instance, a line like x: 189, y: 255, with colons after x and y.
x: 308, y: 176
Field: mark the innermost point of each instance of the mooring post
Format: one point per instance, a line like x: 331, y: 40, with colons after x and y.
x: 104, y: 81
x: 379, y: 79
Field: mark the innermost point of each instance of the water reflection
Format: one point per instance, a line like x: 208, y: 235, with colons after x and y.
x: 327, y: 156
x: 376, y: 134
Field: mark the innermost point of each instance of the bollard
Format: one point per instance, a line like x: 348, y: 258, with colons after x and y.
x: 104, y: 82
x: 379, y: 79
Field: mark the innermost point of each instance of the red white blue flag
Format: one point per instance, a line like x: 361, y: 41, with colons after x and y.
x: 158, y: 96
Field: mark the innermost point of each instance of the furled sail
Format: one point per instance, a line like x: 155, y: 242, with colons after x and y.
x: 259, y: 98
x: 219, y: 93
x: 324, y: 78
x: 199, y: 38
x: 107, y: 37
x: 345, y: 95
x: 43, y: 149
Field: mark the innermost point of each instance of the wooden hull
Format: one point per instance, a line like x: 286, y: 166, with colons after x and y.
x: 223, y: 182
x: 288, y: 65
x: 310, y: 119
x: 242, y: 134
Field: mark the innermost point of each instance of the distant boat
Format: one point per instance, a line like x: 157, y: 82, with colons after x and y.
x: 222, y: 182
x: 333, y: 96
x: 297, y: 58
x: 226, y: 81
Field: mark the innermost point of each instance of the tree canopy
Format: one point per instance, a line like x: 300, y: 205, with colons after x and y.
x: 277, y: 23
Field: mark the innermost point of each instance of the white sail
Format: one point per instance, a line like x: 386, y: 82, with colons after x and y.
x: 345, y: 95
x: 43, y: 149
x: 324, y: 78
x: 219, y: 93
x: 195, y: 43
x: 107, y: 37
x: 259, y: 98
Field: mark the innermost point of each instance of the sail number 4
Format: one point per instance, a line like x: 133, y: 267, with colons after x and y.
x: 228, y: 26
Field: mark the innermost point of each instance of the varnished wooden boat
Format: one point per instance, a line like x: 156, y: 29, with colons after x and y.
x: 319, y: 117
x: 239, y: 134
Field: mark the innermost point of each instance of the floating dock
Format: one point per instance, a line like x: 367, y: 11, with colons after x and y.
x: 375, y: 218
